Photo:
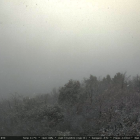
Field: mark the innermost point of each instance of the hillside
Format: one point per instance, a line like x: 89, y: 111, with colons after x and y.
x: 107, y: 106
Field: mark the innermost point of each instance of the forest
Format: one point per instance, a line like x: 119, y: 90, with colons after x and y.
x: 93, y: 107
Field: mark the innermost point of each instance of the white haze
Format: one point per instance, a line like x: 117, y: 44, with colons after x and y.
x: 44, y: 43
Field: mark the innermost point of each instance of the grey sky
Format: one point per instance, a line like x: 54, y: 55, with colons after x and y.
x: 44, y: 43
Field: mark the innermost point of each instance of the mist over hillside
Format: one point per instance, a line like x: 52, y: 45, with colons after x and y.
x: 69, y: 68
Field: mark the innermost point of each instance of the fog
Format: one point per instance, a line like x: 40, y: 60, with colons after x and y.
x: 45, y: 43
